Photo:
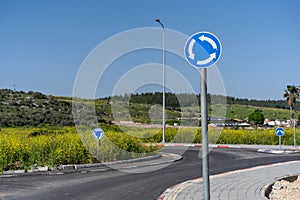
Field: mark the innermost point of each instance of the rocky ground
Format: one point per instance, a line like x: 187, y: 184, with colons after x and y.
x: 286, y: 190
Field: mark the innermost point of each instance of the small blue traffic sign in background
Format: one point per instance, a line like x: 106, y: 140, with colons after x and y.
x: 279, y: 131
x: 202, y: 49
x: 98, y: 133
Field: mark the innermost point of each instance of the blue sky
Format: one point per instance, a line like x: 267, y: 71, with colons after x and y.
x: 43, y: 43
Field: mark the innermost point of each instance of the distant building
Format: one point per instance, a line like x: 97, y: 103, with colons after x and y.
x: 272, y: 123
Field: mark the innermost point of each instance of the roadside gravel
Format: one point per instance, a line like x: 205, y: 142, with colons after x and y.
x: 286, y: 190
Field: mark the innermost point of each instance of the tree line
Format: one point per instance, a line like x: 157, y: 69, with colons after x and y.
x: 187, y: 100
x: 18, y: 108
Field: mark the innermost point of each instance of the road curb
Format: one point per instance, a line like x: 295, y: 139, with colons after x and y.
x: 278, y: 151
x: 187, y: 145
x: 172, y: 192
x: 62, y: 169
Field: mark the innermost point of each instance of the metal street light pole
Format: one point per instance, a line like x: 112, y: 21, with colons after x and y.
x: 294, y: 126
x: 164, y: 88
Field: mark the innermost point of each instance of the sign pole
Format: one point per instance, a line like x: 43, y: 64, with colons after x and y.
x: 98, y: 147
x: 280, y: 142
x: 204, y: 127
x: 212, y: 48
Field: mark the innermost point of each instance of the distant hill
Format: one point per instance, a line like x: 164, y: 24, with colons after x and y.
x: 18, y: 108
x: 33, y: 109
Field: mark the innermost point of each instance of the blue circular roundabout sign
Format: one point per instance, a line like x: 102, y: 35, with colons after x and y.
x: 202, y: 49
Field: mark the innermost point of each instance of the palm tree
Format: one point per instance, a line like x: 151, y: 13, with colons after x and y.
x: 292, y: 94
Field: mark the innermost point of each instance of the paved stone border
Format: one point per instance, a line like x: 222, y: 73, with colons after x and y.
x: 172, y: 192
x: 250, y: 183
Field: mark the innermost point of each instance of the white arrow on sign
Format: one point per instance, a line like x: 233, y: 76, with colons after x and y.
x: 209, y: 40
x: 281, y: 132
x: 190, y: 50
x: 209, y: 59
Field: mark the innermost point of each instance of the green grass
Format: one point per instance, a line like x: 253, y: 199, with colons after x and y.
x: 242, y: 112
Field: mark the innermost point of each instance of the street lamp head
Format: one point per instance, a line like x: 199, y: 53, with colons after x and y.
x: 158, y: 20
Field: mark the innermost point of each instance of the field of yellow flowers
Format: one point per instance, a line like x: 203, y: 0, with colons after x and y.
x: 24, y: 148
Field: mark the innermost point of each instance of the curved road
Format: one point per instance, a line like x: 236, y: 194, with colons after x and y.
x: 113, y: 184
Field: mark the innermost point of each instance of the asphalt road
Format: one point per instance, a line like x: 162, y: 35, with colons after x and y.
x: 115, y: 185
